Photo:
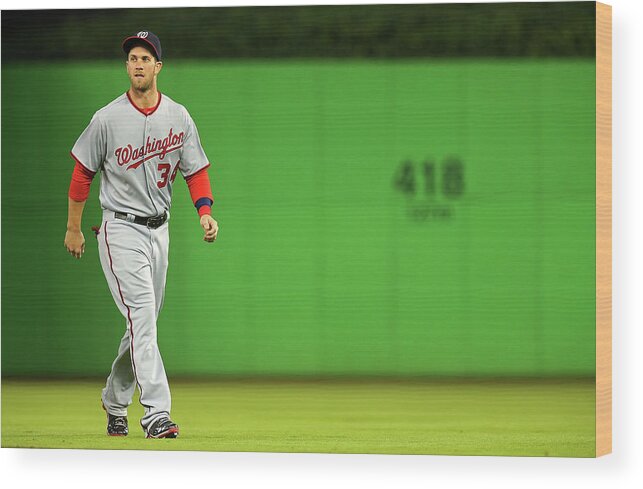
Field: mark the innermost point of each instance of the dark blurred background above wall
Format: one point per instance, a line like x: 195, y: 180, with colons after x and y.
x: 371, y: 31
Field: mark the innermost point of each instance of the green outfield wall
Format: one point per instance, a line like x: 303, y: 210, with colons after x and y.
x: 427, y: 217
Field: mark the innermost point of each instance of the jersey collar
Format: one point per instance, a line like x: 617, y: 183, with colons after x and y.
x: 145, y: 112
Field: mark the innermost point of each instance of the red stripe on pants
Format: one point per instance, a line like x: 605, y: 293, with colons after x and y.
x: 129, y: 317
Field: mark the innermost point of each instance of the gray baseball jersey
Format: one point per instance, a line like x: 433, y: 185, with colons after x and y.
x: 140, y: 155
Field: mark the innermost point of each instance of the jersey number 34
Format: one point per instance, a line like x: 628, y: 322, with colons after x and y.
x: 164, y: 168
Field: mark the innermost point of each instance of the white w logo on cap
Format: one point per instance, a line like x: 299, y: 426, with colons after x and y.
x: 142, y: 34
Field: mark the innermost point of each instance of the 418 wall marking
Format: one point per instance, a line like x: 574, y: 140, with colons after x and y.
x: 431, y: 189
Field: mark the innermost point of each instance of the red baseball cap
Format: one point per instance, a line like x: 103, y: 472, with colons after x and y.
x: 147, y: 37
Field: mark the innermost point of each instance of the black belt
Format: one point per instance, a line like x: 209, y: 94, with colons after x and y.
x: 150, y: 222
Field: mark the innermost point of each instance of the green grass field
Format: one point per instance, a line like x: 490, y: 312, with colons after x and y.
x: 476, y: 417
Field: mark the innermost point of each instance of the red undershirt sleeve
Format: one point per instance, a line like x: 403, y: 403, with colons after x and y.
x: 201, y: 191
x: 81, y: 179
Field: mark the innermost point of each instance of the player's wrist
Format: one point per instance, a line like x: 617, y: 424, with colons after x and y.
x: 205, y: 210
x: 73, y: 228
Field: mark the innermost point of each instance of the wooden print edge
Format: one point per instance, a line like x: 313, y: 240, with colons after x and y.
x: 603, y: 229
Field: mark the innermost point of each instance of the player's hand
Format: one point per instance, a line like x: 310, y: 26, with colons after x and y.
x: 75, y: 243
x: 210, y: 226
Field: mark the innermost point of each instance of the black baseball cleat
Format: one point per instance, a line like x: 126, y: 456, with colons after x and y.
x: 162, y: 428
x: 116, y: 425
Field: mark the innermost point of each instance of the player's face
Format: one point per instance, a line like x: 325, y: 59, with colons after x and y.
x: 142, y: 68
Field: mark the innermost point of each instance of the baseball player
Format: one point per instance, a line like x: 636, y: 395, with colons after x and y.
x: 138, y: 142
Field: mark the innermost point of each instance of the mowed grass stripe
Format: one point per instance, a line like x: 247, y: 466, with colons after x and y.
x: 527, y: 418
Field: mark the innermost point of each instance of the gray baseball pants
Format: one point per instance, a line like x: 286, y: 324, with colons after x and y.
x: 134, y: 260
